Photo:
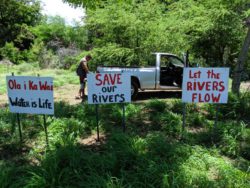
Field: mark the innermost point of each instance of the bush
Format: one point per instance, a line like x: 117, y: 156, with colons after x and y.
x: 237, y: 107
x: 111, y: 55
x: 196, y: 119
x: 25, y: 67
x: 171, y: 124
x: 177, y: 106
x: 228, y: 136
x: 156, y: 105
x: 47, y: 59
x: 10, y: 52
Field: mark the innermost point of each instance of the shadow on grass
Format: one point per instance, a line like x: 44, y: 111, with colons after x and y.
x: 121, y: 161
x: 146, y: 155
x: 158, y: 94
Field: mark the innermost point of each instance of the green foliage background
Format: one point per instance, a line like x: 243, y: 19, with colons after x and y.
x: 154, y: 151
x: 126, y: 32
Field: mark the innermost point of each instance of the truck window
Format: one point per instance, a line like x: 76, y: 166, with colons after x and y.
x: 165, y: 61
x: 176, y: 62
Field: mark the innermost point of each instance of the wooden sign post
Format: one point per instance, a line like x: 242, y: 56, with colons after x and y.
x: 30, y: 95
x: 205, y: 85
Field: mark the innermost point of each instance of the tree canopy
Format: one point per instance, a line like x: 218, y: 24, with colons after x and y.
x: 15, y: 19
x: 212, y: 30
x: 125, y: 32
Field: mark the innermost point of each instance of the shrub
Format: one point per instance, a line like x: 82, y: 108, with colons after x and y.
x: 196, y: 119
x: 237, y: 107
x: 64, y: 132
x: 156, y: 105
x: 177, y: 106
x: 25, y: 67
x: 10, y: 52
x: 228, y: 136
x: 113, y: 54
x: 171, y: 124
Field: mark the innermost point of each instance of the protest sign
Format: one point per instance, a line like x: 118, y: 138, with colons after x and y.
x: 109, y: 88
x: 205, y: 85
x: 32, y: 95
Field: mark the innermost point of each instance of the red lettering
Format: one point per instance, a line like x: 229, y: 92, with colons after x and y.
x: 189, y: 86
x: 190, y: 74
x: 201, y: 85
x: 194, y: 86
x: 111, y: 79
x: 97, y: 77
x: 106, y: 79
x: 208, y: 86
x: 194, y: 96
x: 200, y: 99
x: 215, y: 86
x: 119, y: 79
x: 45, y: 86
x: 11, y: 84
x: 195, y: 74
x: 32, y: 86
x: 215, y: 99
x: 207, y: 97
x: 221, y: 83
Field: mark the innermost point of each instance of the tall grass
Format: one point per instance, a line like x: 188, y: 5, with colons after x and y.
x: 61, y: 77
x: 151, y: 153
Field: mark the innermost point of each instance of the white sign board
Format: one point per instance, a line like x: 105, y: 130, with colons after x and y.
x: 31, y: 95
x: 109, y: 88
x: 205, y: 85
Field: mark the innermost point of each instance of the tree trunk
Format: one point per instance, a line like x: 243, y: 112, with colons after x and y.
x: 240, y: 62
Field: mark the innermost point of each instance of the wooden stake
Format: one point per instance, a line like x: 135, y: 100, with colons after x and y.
x: 45, y: 129
x: 19, y: 127
x: 123, y: 117
x: 19, y: 122
x: 97, y: 122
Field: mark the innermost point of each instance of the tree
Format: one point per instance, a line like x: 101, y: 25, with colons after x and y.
x: 210, y: 29
x: 56, y: 34
x: 240, y: 61
x: 88, y: 3
x: 15, y: 19
x: 136, y: 26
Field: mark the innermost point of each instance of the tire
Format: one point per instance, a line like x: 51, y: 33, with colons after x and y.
x: 134, y: 89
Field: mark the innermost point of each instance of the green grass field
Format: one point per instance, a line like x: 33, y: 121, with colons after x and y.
x: 154, y: 151
x: 61, y: 77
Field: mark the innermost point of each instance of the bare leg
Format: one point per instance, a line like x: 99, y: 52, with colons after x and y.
x: 81, y: 93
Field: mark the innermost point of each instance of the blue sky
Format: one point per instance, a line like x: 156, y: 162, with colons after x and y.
x: 57, y: 7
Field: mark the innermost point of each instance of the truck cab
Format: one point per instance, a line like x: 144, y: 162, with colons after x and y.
x: 165, y: 73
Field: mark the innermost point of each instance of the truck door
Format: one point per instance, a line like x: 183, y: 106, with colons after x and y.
x: 171, y: 71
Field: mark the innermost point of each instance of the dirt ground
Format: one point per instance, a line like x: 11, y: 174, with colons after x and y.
x: 65, y: 93
x: 68, y: 93
x: 245, y: 86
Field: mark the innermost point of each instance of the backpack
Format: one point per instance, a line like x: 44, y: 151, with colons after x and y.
x: 80, y: 71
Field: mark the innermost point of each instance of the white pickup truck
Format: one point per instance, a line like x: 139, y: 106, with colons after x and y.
x: 166, y: 74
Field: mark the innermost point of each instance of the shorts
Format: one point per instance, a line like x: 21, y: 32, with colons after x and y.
x: 82, y: 83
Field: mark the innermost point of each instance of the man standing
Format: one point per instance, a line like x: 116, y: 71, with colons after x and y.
x: 82, y: 71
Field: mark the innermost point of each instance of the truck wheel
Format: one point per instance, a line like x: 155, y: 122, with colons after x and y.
x: 134, y: 90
